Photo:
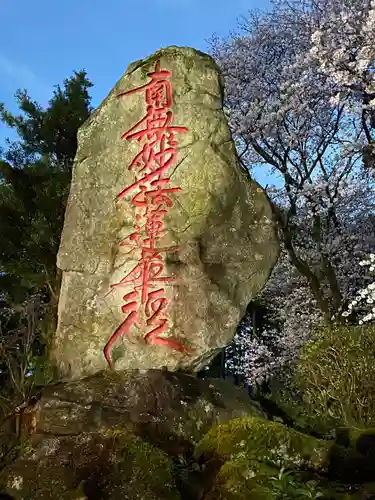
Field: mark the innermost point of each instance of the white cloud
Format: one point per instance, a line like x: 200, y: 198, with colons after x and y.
x: 20, y: 76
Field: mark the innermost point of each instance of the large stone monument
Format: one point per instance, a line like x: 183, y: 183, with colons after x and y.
x: 165, y: 240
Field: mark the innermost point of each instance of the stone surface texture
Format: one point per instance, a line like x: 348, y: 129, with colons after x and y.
x: 173, y: 407
x: 220, y: 222
x: 158, y: 435
x: 120, y: 436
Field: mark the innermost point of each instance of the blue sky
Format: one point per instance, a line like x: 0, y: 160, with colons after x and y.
x: 44, y: 41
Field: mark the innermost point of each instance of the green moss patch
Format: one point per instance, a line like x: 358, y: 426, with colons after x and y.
x: 108, y: 464
x: 265, y: 441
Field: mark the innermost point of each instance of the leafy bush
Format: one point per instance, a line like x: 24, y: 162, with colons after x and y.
x: 334, y: 378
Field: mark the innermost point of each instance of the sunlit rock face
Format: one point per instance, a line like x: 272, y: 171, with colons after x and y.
x: 165, y: 239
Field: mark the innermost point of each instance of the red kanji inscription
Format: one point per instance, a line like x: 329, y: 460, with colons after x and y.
x: 147, y: 303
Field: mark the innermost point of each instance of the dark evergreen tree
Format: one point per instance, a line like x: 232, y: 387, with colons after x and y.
x: 35, y: 175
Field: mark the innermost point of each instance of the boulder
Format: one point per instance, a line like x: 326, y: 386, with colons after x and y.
x: 120, y: 435
x: 265, y: 441
x: 105, y: 464
x: 170, y: 409
x: 166, y: 240
x: 162, y: 435
x: 250, y: 458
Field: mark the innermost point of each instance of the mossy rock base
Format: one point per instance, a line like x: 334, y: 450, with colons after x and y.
x: 241, y: 478
x: 80, y: 429
x: 161, y: 407
x: 161, y: 435
x: 107, y: 464
x: 244, y: 458
x: 265, y: 441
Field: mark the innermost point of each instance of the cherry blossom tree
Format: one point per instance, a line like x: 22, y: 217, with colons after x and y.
x: 343, y: 47
x: 282, y: 115
x: 364, y: 300
x: 292, y: 310
x: 292, y: 113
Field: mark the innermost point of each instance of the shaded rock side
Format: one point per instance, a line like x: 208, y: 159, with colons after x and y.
x: 216, y: 231
x: 121, y: 435
x: 102, y: 465
x: 165, y: 407
x: 162, y: 435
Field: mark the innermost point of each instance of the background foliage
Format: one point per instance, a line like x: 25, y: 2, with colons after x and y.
x: 35, y: 173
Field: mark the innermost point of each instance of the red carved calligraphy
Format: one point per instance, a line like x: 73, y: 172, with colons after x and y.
x: 152, y: 198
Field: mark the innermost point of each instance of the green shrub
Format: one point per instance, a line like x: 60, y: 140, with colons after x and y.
x: 334, y: 378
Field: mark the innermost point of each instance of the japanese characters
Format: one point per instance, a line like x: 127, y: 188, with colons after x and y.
x: 146, y: 305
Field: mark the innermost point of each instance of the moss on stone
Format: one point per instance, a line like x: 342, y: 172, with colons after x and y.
x: 362, y: 440
x: 266, y: 441
x: 241, y: 479
x: 152, y: 471
x: 113, y: 463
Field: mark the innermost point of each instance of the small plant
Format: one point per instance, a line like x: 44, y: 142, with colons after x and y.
x: 285, y: 486
x: 309, y: 490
